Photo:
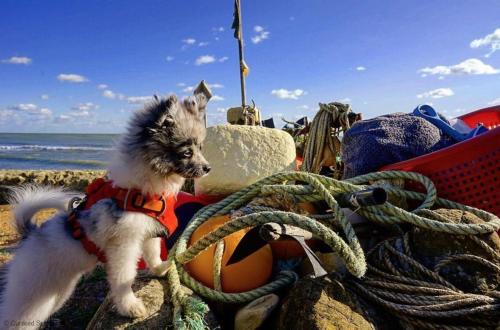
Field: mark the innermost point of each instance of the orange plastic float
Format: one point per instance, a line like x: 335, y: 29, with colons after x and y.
x: 250, y: 273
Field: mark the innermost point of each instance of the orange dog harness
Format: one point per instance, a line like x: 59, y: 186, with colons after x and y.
x: 159, y: 207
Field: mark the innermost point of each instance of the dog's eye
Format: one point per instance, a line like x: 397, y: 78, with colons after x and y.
x: 187, y: 154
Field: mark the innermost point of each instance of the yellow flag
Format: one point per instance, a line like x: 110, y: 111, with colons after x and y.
x: 244, y: 68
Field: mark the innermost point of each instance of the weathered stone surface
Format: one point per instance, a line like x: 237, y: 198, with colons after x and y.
x: 430, y: 247
x: 156, y: 297
x: 73, y: 180
x: 153, y: 293
x: 241, y: 155
x: 321, y: 303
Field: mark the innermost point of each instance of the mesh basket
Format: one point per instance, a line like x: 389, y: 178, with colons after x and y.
x: 467, y: 172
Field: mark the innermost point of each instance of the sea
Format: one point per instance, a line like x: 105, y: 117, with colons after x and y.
x: 42, y: 151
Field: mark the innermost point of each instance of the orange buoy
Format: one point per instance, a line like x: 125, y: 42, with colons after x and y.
x: 248, y: 274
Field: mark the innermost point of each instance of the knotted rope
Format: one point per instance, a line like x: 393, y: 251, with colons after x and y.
x: 189, y: 311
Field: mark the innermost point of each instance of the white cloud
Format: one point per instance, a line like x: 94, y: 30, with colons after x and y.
x: 360, y: 68
x: 62, y: 119
x: 169, y: 58
x: 181, y: 84
x: 46, y: 112
x: 204, y: 59
x: 83, y: 113
x: 472, y: 66
x: 71, y: 78
x: 203, y: 44
x: 85, y: 106
x: 138, y: 99
x: 261, y: 35
x: 345, y: 100
x: 102, y: 86
x: 32, y: 109
x: 221, y: 110
x: 109, y: 94
x: 223, y: 59
x: 495, y: 102
x: 44, y: 97
x: 303, y: 107
x: 437, y: 93
x: 28, y: 107
x: 288, y: 94
x: 188, y: 89
x: 217, y: 98
x: 189, y: 41
x: 492, y: 40
x: 18, y: 60
x: 218, y: 29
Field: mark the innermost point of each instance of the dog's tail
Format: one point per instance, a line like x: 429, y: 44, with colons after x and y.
x: 29, y: 199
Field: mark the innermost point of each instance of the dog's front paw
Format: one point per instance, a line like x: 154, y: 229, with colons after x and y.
x: 160, y: 270
x: 134, y: 309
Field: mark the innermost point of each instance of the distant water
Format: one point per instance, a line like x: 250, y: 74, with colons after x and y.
x: 55, y: 151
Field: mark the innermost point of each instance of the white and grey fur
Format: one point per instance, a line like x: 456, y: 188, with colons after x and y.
x: 161, y: 148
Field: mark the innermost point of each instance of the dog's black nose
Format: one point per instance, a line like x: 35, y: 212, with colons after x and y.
x: 206, y: 168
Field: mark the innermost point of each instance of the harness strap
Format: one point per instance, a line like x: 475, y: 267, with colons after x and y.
x: 159, y: 207
x: 79, y: 234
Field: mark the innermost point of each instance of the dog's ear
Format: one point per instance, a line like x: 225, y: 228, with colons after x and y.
x: 167, y: 109
x: 191, y: 105
x: 202, y: 94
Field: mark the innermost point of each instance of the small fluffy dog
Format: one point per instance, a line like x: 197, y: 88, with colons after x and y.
x: 161, y: 148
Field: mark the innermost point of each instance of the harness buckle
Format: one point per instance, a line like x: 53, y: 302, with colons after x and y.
x: 138, y: 200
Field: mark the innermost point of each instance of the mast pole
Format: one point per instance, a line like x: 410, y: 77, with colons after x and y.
x: 240, y: 49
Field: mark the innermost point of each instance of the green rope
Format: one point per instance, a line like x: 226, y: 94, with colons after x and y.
x: 189, y: 312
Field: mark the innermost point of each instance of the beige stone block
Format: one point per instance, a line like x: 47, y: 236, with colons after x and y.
x: 241, y: 155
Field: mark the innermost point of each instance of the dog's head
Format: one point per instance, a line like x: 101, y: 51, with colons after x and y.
x: 167, y: 136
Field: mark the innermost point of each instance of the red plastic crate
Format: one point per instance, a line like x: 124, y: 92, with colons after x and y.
x: 467, y: 172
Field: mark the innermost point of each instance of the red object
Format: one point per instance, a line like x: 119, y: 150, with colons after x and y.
x: 467, y: 172
x: 80, y: 235
x: 183, y: 199
x: 158, y: 207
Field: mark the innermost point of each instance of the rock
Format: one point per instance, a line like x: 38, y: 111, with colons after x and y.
x: 430, y: 247
x: 156, y: 297
x: 241, y: 155
x: 73, y: 180
x: 322, y: 303
x: 251, y: 316
x: 153, y: 293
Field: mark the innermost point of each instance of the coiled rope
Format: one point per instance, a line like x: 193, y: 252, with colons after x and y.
x: 421, y: 298
x: 323, y: 134
x: 189, y: 311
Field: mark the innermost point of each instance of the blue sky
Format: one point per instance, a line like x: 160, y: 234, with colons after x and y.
x: 84, y: 66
